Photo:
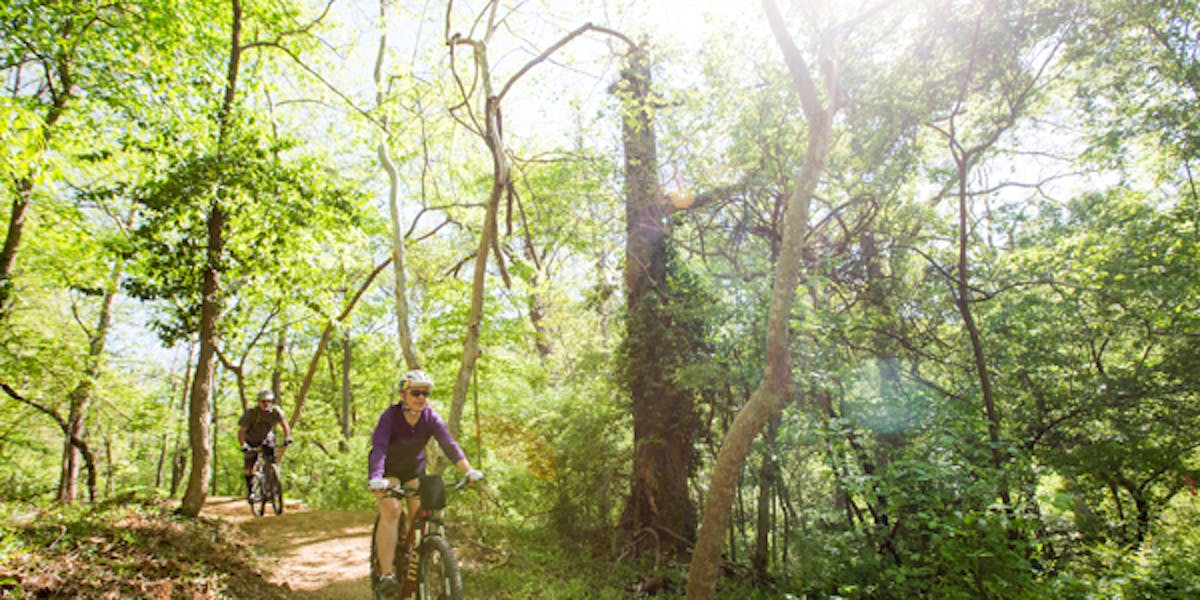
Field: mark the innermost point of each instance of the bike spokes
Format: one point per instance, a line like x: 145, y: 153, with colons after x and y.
x: 258, y: 498
x: 439, y: 578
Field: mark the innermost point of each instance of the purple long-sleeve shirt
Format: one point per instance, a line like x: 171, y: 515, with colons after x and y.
x: 398, y: 449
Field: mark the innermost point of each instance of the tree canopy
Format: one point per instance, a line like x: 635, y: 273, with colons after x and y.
x: 871, y: 300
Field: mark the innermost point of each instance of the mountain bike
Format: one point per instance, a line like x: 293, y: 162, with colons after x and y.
x: 266, y: 487
x: 423, y: 559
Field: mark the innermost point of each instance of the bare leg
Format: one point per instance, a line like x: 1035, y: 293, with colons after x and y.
x: 414, y: 504
x: 248, y: 470
x: 386, y: 532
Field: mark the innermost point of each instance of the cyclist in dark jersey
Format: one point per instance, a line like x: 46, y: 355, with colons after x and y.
x: 257, y: 428
x: 398, y: 456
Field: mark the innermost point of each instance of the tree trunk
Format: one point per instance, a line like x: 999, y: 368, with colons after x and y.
x: 537, y: 317
x: 776, y: 382
x: 210, y: 304
x: 79, y: 444
x: 80, y: 397
x: 161, y: 464
x: 664, y: 419
x: 760, y: 560
x: 501, y: 174
x: 214, y: 435
x: 346, y: 398
x: 280, y: 361
x: 389, y: 167
x: 962, y: 300
x: 110, y: 469
x: 12, y: 242
x: 306, y: 383
x: 199, y: 415
x: 23, y: 198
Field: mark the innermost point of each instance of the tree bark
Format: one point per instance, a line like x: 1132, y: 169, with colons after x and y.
x: 346, y: 397
x: 280, y: 365
x: 12, y: 243
x: 81, y: 395
x: 385, y: 160
x: 306, y: 383
x: 493, y: 137
x: 500, y: 182
x: 199, y: 415
x: 760, y: 560
x: 776, y: 383
x: 88, y: 458
x: 211, y: 300
x: 61, y: 68
x: 664, y: 419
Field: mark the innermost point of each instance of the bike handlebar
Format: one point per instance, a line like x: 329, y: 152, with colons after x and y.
x: 279, y: 445
x: 403, y: 490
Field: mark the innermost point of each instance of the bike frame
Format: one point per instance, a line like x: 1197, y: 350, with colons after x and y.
x: 268, y: 481
x: 426, y: 525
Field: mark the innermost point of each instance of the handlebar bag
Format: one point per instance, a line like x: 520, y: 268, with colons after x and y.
x: 433, y: 492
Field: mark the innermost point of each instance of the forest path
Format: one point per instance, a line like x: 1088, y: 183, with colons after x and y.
x: 317, y: 553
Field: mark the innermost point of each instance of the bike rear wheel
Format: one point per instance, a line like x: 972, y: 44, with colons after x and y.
x: 438, y: 577
x: 274, y: 491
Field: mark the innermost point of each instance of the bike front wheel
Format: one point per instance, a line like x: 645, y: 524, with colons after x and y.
x: 258, y: 496
x: 438, y: 577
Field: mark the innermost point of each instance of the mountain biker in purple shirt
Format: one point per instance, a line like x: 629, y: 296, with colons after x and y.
x: 398, y: 456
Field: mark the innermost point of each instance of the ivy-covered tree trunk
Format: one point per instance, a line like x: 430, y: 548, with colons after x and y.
x: 664, y: 420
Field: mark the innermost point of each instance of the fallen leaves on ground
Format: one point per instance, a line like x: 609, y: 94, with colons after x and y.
x: 127, y: 550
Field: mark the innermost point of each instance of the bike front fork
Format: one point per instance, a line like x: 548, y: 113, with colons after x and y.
x: 406, y: 551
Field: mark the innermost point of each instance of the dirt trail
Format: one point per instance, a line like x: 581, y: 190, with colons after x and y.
x: 318, y: 554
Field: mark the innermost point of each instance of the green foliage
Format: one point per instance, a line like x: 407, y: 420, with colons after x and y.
x: 1119, y: 270
x: 1165, y: 567
x: 1136, y: 66
x: 886, y: 483
x: 269, y: 204
x: 328, y: 478
x: 543, y: 564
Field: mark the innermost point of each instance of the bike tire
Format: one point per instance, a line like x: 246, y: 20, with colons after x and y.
x: 438, y: 577
x: 258, y: 499
x: 275, y: 491
x: 375, y: 562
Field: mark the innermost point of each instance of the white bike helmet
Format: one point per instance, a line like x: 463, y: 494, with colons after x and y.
x: 267, y: 395
x: 416, y: 377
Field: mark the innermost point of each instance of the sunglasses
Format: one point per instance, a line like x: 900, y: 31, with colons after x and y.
x: 419, y: 393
